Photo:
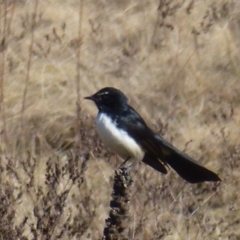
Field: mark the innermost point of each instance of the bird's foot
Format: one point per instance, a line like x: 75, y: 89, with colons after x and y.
x: 126, y: 170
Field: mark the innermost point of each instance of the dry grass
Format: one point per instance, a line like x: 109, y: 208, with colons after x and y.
x: 176, y: 60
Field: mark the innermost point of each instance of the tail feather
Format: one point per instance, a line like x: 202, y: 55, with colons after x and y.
x: 153, y: 162
x: 185, y: 166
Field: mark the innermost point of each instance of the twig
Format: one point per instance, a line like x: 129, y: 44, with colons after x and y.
x: 78, y: 77
x: 29, y: 63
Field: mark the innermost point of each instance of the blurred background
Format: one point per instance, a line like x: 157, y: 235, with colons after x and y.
x: 178, y: 63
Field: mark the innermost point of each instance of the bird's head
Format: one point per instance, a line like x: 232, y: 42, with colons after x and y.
x: 109, y: 98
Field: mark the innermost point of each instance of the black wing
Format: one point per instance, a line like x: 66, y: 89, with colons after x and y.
x: 157, y: 148
x: 132, y: 122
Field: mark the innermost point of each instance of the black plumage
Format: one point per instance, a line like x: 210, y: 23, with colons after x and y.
x: 158, y: 153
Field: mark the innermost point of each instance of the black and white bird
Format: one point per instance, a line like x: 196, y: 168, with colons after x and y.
x: 124, y: 131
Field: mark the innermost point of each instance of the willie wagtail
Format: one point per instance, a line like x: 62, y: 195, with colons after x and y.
x: 124, y: 131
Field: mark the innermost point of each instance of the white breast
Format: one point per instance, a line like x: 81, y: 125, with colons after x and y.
x: 117, y: 140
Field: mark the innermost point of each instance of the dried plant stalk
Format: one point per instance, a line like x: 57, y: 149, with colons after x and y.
x: 116, y: 224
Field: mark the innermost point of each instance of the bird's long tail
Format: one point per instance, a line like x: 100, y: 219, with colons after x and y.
x: 184, y: 165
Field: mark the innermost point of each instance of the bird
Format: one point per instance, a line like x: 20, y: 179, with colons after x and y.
x: 124, y: 131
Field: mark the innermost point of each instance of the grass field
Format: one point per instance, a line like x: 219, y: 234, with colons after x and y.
x: 176, y: 60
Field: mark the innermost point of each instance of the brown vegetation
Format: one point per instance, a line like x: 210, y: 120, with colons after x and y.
x: 176, y: 60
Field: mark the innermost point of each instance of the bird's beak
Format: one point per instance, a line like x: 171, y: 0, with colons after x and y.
x: 89, y: 98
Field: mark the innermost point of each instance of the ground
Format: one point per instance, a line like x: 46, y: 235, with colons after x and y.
x: 177, y: 61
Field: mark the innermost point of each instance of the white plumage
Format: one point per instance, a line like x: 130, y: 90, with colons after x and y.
x: 116, y: 139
